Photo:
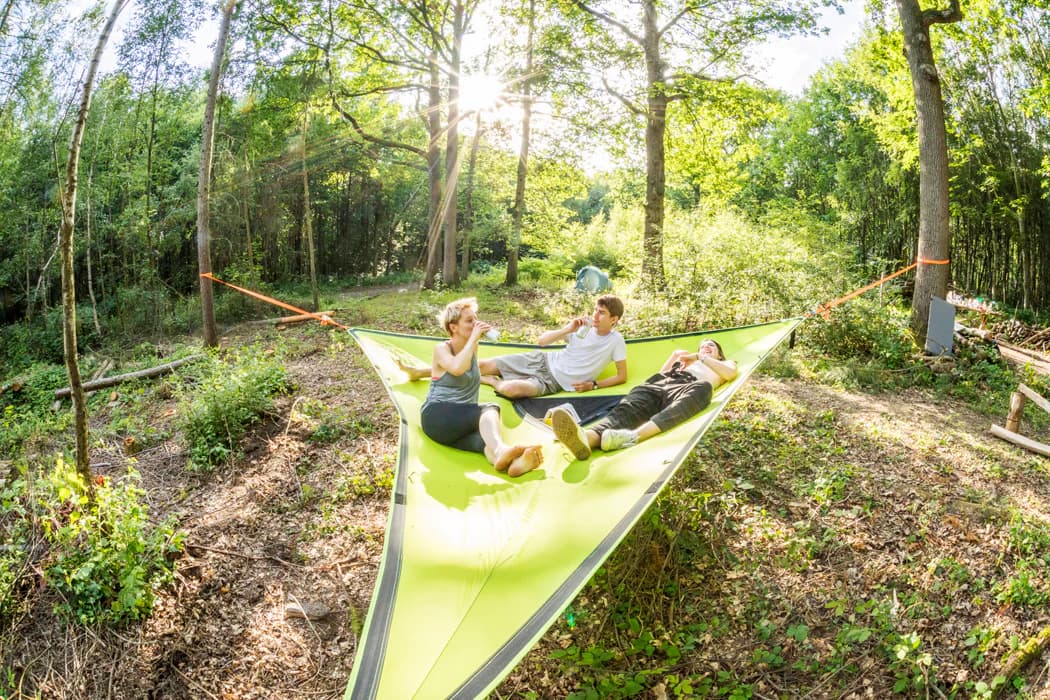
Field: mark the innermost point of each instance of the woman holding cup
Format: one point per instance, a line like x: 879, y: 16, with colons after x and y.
x: 451, y: 414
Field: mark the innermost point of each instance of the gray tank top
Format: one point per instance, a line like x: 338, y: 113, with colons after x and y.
x: 461, y: 389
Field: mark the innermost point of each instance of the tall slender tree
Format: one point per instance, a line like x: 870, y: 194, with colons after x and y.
x: 69, y: 300
x: 708, y: 41
x: 931, y: 279
x: 211, y: 337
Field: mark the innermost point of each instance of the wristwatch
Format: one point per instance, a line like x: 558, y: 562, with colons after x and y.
x: 594, y: 384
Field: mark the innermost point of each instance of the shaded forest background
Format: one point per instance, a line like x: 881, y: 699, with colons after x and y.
x: 347, y: 118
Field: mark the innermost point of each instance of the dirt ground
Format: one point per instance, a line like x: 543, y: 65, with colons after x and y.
x: 299, y: 524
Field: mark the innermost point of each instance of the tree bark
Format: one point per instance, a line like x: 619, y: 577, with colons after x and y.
x: 518, y: 213
x: 655, y: 131
x: 211, y: 337
x: 930, y: 279
x: 452, y: 167
x: 308, y: 221
x: 433, y: 173
x: 468, y: 200
x: 69, y: 302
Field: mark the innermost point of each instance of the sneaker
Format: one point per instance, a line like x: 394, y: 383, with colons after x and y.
x: 548, y: 417
x: 617, y: 439
x: 569, y: 433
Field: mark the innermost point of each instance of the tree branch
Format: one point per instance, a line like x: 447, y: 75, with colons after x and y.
x: 612, y: 21
x: 952, y: 14
x: 631, y: 107
x: 674, y: 21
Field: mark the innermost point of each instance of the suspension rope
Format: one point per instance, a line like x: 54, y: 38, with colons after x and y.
x: 325, y: 320
x: 825, y: 309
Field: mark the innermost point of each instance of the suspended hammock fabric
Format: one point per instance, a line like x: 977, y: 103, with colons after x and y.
x: 477, y: 565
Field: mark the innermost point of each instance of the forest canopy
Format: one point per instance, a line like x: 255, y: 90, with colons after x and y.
x: 443, y: 138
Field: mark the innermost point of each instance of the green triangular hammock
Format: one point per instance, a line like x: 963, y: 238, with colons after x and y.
x: 476, y: 565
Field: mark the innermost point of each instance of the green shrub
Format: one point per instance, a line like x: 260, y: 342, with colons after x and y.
x: 228, y: 396
x: 107, y: 559
x: 863, y: 329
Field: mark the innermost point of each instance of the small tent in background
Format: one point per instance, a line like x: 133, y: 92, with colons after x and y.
x: 591, y: 279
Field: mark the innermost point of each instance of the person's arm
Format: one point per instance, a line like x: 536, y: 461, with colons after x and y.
x: 726, y: 369
x: 592, y: 384
x: 675, y: 357
x: 553, y: 336
x: 458, y: 363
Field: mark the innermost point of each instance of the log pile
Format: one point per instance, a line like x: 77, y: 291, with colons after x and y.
x: 1021, y: 334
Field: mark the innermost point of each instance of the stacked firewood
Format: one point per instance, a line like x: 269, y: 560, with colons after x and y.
x: 1021, y: 334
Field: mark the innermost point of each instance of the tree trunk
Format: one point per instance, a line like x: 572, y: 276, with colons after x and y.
x: 930, y: 280
x: 69, y: 301
x: 308, y: 225
x: 655, y: 129
x: 518, y: 212
x: 87, y: 239
x: 450, y: 212
x: 433, y: 174
x: 468, y: 200
x: 211, y: 337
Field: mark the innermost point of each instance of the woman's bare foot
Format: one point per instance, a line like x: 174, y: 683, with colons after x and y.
x: 531, y: 458
x: 413, y: 373
x: 507, y: 456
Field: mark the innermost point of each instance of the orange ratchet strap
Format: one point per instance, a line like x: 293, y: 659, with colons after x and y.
x: 325, y: 320
x: 825, y: 309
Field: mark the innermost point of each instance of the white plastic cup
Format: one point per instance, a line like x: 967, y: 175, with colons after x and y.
x: 492, y: 334
x: 581, y: 332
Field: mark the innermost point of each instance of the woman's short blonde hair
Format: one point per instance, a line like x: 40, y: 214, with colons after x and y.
x: 453, y: 310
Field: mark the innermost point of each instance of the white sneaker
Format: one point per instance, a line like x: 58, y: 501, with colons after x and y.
x: 617, y: 439
x: 569, y: 433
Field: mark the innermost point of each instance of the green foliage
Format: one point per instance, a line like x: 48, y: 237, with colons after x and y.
x: 228, y: 396
x: 104, y: 558
x: 862, y: 330
x: 911, y: 666
x: 107, y: 559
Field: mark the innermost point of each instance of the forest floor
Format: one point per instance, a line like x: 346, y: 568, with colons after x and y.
x: 839, y: 522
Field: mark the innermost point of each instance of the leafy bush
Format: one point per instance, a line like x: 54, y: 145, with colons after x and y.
x: 228, y: 397
x: 107, y: 559
x: 554, y: 269
x: 863, y: 329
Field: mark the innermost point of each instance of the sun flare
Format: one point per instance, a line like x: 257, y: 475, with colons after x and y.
x: 480, y: 91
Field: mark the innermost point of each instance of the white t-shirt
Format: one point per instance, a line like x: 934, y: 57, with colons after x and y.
x: 584, y: 358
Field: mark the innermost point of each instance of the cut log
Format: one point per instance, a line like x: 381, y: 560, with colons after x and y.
x: 1021, y: 441
x: 298, y: 318
x: 141, y: 374
x: 1020, y: 356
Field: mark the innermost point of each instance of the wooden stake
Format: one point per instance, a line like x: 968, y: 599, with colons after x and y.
x: 1013, y: 418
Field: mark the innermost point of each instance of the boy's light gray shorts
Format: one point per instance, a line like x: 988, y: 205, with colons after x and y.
x: 530, y: 366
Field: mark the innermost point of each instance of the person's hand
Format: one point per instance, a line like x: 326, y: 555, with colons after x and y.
x: 583, y: 386
x: 480, y: 328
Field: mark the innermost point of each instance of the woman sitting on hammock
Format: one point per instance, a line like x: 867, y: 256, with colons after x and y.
x: 681, y: 389
x: 451, y: 414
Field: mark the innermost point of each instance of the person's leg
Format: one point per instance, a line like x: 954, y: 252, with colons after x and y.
x: 488, y: 366
x: 414, y: 373
x: 685, y: 401
x: 513, y: 459
x: 512, y: 388
x: 498, y: 453
x: 633, y: 410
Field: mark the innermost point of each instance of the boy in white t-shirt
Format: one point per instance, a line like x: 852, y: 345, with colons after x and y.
x: 575, y: 368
